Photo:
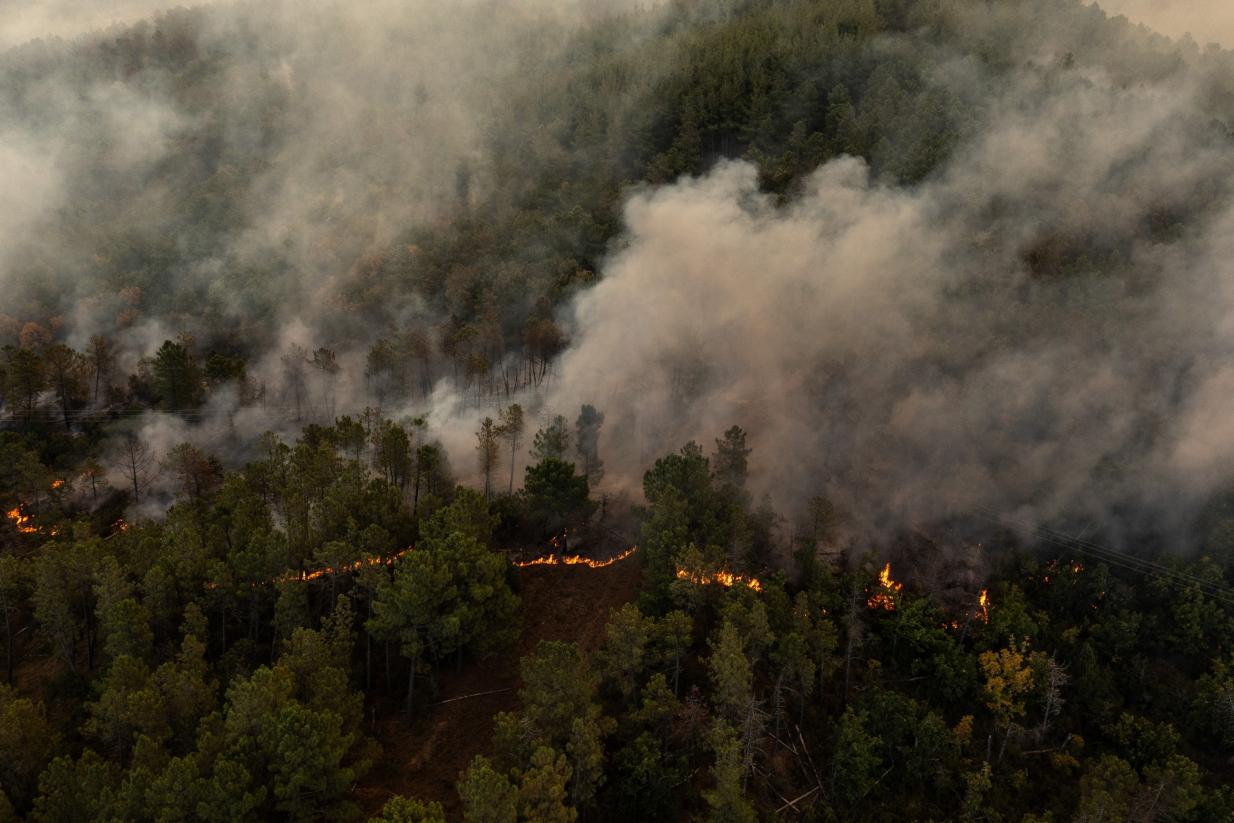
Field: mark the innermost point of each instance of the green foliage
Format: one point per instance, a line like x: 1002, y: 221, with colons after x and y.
x: 587, y: 428
x: 731, y: 674
x: 177, y: 378
x: 27, y: 744
x: 557, y: 497
x: 728, y: 805
x: 405, y: 810
x: 855, y: 761
x: 558, y: 688
x: 731, y: 456
x: 304, y: 752
x: 1141, y: 742
x: 623, y: 657
x: 487, y: 795
x: 469, y: 514
x: 552, y: 441
x: 542, y: 792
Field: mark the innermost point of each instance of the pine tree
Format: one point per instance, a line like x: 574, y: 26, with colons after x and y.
x: 551, y: 441
x: 623, y: 657
x: 588, y: 443
x: 731, y: 674
x: 488, y: 454
x: 510, y: 430
x: 730, y: 460
x: 728, y: 805
x: 410, y: 609
x: 410, y: 810
x: 542, y: 790
x: 487, y: 795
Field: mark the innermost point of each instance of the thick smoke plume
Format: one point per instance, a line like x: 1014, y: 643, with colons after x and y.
x: 921, y: 353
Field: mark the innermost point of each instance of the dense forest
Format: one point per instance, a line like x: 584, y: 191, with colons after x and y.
x: 883, y: 341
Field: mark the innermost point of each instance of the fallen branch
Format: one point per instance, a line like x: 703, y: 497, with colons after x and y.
x: 791, y: 804
x: 468, y: 697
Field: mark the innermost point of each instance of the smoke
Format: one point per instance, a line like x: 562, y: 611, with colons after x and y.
x: 25, y: 20
x: 1024, y: 332
x: 1207, y: 21
x: 322, y: 131
x: 1042, y: 326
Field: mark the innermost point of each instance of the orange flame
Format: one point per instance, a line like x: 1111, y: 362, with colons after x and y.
x: 886, y: 597
x: 723, y: 578
x: 377, y: 561
x: 20, y: 520
x: 57, y: 484
x: 985, y: 610
x: 575, y: 560
x: 556, y: 541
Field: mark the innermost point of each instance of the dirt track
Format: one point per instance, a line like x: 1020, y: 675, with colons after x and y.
x: 566, y: 603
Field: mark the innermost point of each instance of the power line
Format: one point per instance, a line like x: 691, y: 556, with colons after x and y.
x: 1112, y: 557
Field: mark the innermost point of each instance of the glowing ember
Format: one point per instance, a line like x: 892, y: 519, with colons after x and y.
x: 723, y: 578
x: 575, y: 560
x: 885, y: 597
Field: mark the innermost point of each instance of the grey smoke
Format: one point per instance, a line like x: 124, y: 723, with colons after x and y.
x: 892, y: 349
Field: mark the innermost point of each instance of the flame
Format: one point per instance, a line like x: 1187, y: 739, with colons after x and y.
x: 57, y: 484
x: 20, y: 520
x: 723, y: 578
x: 575, y: 560
x: 985, y: 611
x: 556, y: 540
x: 886, y: 598
x: 378, y: 561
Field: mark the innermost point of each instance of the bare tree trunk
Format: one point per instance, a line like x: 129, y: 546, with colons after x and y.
x: 779, y: 682
x: 854, y: 639
x: 1006, y: 737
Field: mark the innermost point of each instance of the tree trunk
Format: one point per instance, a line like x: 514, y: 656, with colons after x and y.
x: 776, y: 747
x: 801, y: 721
x: 822, y: 668
x: 8, y: 636
x: 1006, y: 737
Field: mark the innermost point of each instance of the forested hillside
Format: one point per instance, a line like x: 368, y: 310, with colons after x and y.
x: 357, y: 361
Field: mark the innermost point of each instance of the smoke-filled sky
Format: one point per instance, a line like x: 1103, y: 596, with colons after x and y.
x: 1207, y: 21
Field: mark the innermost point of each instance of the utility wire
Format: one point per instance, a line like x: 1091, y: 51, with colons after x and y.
x: 1147, y: 566
x: 1112, y: 557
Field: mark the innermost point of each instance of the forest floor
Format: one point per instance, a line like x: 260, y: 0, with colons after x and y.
x: 566, y: 603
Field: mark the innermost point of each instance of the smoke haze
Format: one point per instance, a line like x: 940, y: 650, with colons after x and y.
x: 1042, y: 325
x: 914, y: 354
x: 1207, y: 21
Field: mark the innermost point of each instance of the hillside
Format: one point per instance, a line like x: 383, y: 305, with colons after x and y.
x: 348, y: 351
